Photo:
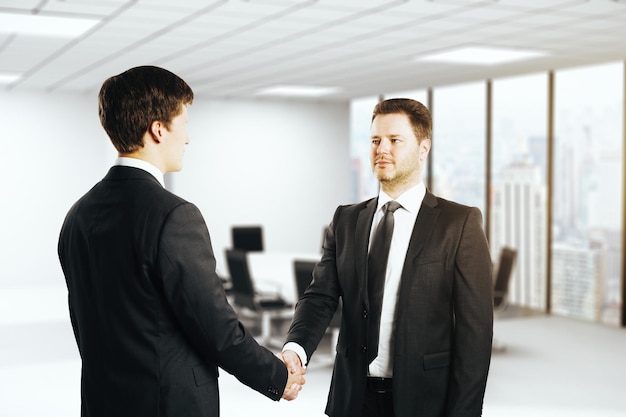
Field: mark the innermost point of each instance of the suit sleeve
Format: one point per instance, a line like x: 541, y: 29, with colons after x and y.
x: 196, y: 296
x: 473, y: 311
x: 316, y: 307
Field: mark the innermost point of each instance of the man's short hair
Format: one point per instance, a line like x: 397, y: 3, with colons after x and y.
x: 129, y: 102
x: 418, y: 114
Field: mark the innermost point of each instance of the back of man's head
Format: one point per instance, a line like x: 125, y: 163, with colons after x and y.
x: 129, y: 102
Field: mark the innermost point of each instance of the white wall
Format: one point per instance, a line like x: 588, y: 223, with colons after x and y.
x: 53, y: 150
x: 284, y: 165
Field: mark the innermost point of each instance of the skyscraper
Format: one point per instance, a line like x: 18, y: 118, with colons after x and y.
x: 519, y: 221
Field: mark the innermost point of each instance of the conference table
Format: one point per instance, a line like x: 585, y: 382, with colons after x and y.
x: 274, y: 271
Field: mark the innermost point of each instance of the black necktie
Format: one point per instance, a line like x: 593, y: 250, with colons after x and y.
x: 376, y: 271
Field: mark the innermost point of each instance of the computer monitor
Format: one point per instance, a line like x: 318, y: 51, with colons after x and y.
x: 247, y: 238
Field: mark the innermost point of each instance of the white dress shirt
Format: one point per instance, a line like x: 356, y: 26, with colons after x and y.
x: 404, y: 221
x: 141, y: 164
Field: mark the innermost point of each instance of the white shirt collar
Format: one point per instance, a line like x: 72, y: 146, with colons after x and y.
x: 141, y: 164
x: 411, y: 199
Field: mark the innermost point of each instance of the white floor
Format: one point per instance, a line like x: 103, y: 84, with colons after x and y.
x: 552, y: 367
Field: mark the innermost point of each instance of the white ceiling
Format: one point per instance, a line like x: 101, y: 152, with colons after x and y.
x: 232, y: 48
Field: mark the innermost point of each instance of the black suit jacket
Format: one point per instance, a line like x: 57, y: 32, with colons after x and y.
x: 444, y: 313
x: 149, y: 312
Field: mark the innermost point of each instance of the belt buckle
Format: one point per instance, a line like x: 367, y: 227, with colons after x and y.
x: 379, y: 385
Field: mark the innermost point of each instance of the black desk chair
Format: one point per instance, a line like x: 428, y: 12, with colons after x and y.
x: 303, y: 271
x: 263, y: 306
x: 502, y: 280
x: 247, y: 239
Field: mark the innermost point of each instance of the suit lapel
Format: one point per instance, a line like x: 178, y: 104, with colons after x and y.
x: 361, y: 239
x: 424, y: 224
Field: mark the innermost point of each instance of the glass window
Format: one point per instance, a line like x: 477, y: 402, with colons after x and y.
x: 364, y: 184
x: 588, y: 187
x: 518, y: 183
x: 458, y: 150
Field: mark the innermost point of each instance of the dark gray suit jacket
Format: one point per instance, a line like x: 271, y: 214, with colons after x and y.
x: 149, y: 312
x: 444, y: 314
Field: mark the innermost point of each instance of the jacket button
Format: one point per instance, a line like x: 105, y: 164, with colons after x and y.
x: 365, y: 314
x: 364, y: 348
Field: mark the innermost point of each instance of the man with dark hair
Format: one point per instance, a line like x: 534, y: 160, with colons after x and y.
x: 414, y: 274
x: 149, y: 313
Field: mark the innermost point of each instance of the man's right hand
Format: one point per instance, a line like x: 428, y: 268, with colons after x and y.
x: 295, y: 375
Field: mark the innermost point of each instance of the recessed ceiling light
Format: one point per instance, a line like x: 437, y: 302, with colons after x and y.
x: 38, y: 25
x: 297, y: 91
x: 9, y: 77
x: 480, y: 55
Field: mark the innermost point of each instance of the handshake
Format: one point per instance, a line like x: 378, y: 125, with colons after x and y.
x: 295, y: 377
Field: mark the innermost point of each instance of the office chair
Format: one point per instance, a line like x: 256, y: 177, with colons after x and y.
x: 263, y: 306
x: 324, y: 231
x: 502, y: 279
x: 303, y: 271
x: 247, y: 238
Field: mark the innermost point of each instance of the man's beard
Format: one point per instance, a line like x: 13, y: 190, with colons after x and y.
x: 395, y: 177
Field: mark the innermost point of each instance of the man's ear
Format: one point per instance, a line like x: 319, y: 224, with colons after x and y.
x: 156, y: 131
x: 424, y: 147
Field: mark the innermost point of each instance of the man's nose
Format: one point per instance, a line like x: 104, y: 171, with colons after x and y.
x: 383, y: 146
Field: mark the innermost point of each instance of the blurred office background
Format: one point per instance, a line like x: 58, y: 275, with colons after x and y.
x: 537, y: 143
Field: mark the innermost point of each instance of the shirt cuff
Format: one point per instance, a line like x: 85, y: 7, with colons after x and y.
x: 299, y: 350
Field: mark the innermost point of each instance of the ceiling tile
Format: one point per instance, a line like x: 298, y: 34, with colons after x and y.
x: 229, y: 48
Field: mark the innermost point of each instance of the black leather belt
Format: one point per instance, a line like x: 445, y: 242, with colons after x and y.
x: 379, y: 385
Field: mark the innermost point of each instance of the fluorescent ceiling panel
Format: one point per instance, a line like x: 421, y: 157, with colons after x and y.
x: 9, y: 77
x: 297, y: 91
x: 37, y: 25
x: 480, y: 55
